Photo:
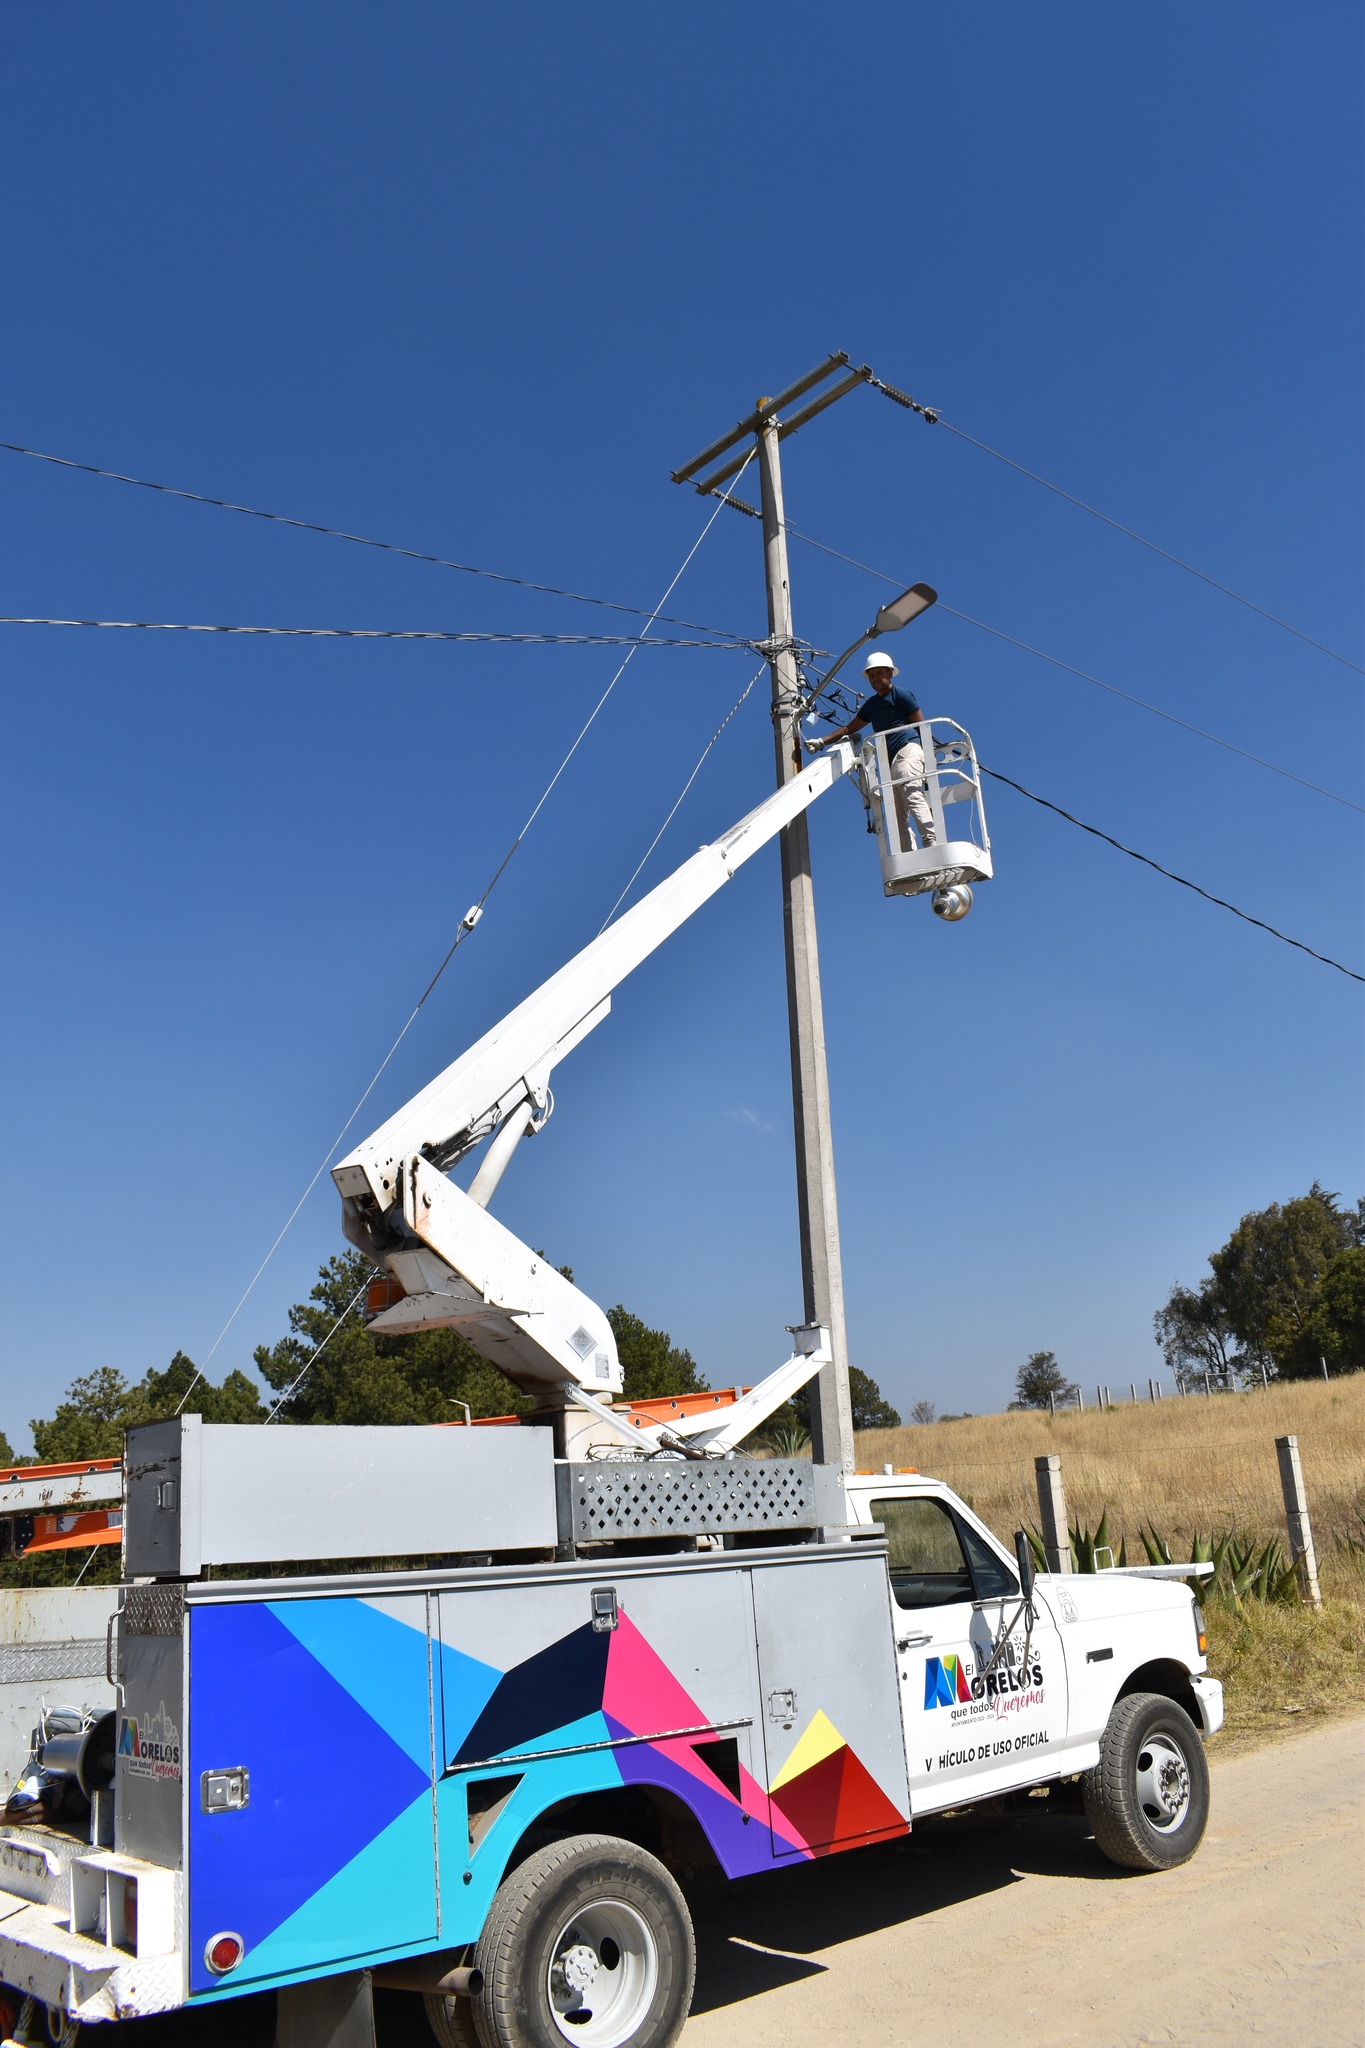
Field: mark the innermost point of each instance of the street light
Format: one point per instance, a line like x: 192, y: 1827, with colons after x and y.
x: 889, y: 619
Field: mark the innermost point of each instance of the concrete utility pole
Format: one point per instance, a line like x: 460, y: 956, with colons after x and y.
x: 822, y: 1277
x: 822, y: 1272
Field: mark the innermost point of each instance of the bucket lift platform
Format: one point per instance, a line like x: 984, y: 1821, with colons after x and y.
x: 952, y: 784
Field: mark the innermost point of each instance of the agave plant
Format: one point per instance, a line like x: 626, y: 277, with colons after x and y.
x: 1241, y: 1570
x: 791, y: 1442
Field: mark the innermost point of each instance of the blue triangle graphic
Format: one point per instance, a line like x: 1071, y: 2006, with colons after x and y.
x: 325, y: 1778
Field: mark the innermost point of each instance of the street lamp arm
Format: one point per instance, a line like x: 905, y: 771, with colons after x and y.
x: 901, y: 610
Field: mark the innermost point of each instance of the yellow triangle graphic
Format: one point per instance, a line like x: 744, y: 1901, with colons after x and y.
x: 820, y: 1740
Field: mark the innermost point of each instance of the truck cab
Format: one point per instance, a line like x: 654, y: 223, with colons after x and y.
x: 995, y: 1698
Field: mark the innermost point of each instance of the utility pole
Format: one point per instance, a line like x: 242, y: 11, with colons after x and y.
x: 822, y: 1272
x: 822, y: 1276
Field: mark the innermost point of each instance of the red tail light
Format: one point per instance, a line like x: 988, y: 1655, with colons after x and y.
x: 224, y: 1953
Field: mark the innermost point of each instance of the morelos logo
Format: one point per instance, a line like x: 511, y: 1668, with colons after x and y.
x: 945, y: 1682
x: 150, y: 1747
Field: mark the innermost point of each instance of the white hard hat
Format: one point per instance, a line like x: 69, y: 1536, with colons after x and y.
x: 879, y: 661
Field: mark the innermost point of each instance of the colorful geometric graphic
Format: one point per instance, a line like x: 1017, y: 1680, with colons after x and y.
x: 945, y: 1682
x: 332, y: 1707
x: 827, y: 1798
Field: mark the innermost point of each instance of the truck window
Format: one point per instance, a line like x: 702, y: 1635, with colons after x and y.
x: 994, y: 1579
x: 925, y: 1556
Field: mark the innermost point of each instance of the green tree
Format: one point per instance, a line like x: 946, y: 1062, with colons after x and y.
x: 1040, y: 1379
x: 100, y: 1405
x: 1336, y: 1328
x: 1195, y: 1335
x: 1268, y: 1278
x: 362, y: 1376
x: 870, y: 1409
x: 651, y: 1363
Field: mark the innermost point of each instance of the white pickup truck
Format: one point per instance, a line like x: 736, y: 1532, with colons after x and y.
x: 1108, y: 1679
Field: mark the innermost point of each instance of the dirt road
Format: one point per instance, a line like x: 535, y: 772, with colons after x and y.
x: 1022, y: 1933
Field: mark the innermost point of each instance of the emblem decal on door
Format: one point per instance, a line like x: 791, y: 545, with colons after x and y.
x: 945, y: 1682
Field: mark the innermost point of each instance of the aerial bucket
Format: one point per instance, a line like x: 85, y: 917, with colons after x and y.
x: 951, y: 788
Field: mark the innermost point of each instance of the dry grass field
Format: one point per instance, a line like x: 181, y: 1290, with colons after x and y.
x: 1190, y: 1466
x: 1179, y: 1465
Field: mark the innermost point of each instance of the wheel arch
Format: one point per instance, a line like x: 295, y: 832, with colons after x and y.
x: 1168, y: 1676
x: 655, y: 1817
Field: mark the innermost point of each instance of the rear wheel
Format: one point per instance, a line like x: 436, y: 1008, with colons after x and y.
x: 588, y: 1942
x: 1147, y: 1799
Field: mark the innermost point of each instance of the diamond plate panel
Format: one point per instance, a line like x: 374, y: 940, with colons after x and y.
x: 44, y: 1663
x: 153, y: 1610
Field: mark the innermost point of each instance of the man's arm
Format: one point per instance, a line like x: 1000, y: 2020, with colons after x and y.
x: 845, y: 732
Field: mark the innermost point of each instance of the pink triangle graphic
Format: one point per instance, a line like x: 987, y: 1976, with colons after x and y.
x: 643, y: 1696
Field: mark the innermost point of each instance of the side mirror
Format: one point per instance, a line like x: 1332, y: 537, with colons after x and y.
x: 1023, y: 1555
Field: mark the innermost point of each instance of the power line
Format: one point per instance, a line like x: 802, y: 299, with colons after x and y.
x: 1155, y: 709
x: 465, y: 927
x: 1170, y: 875
x: 388, y: 633
x: 314, y: 1355
x: 701, y: 758
x: 933, y: 417
x: 338, y: 533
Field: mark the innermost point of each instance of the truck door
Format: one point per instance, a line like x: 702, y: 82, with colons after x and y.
x: 980, y: 1713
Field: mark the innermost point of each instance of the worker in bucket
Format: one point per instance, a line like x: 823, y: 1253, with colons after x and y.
x: 886, y: 709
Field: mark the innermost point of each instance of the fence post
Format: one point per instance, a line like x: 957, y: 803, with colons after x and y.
x: 1132, y: 1389
x: 1323, y: 1363
x: 1080, y: 1402
x: 1052, y: 1512
x: 1052, y: 1406
x: 1296, y: 1517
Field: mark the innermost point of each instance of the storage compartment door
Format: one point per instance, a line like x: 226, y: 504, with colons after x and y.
x: 831, y: 1704
x: 310, y: 1784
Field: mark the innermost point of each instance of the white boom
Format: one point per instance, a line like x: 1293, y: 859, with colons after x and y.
x: 457, y: 1266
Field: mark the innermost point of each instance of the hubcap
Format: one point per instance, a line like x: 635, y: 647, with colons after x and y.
x: 603, y: 1973
x: 1163, y: 1783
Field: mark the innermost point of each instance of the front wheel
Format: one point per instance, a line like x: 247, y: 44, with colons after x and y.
x: 1147, y: 1799
x: 588, y: 1942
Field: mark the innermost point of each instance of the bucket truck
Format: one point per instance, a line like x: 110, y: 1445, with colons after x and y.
x: 451, y: 1709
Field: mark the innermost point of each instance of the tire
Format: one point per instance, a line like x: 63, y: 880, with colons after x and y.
x: 590, y: 1927
x: 451, y: 2020
x: 1148, y: 1797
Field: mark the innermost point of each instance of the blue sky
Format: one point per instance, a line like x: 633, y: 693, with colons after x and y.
x: 475, y: 281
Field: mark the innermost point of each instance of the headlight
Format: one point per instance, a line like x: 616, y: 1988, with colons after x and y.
x: 1200, y: 1633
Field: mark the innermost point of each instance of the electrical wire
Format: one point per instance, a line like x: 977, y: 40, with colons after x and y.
x: 678, y: 799
x: 1228, y: 745
x: 1155, y: 709
x: 387, y: 633
x: 314, y: 1356
x: 338, y: 533
x: 1170, y: 875
x: 466, y: 925
x: 933, y: 417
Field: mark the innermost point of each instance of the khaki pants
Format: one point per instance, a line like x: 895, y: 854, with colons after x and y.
x: 907, y: 788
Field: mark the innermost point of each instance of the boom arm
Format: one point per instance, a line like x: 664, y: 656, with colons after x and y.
x: 456, y: 1265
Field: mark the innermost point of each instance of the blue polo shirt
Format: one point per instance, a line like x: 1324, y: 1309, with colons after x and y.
x: 897, y: 707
